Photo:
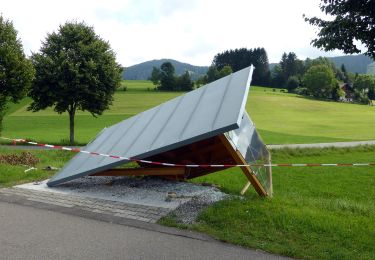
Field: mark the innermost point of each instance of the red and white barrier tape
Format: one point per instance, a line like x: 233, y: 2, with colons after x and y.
x: 185, y: 165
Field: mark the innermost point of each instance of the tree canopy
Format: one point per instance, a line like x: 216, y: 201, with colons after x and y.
x: 320, y: 81
x: 291, y: 65
x: 364, y: 83
x: 75, y: 70
x: 353, y: 20
x: 241, y: 58
x: 165, y: 78
x: 155, y: 76
x: 16, y: 71
x: 214, y: 74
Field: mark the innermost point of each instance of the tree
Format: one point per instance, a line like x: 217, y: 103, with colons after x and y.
x: 75, y: 70
x: 238, y: 59
x: 214, y: 74
x: 364, y: 83
x: 167, y: 76
x: 155, y: 76
x: 277, y: 77
x: 339, y: 75
x: 225, y: 71
x: 211, y: 75
x: 292, y: 83
x: 347, y: 78
x: 291, y: 65
x: 16, y: 71
x: 337, y: 92
x: 320, y: 81
x: 352, y: 21
x: 184, y: 82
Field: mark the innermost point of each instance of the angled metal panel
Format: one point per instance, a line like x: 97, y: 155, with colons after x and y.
x: 203, y: 113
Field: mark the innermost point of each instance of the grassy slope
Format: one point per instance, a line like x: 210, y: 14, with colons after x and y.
x: 317, y: 213
x: 280, y: 117
x: 288, y: 118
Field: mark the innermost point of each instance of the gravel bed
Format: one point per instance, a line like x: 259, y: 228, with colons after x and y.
x: 149, y: 191
x: 188, y: 212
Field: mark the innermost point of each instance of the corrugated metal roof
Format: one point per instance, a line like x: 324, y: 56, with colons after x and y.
x: 213, y: 109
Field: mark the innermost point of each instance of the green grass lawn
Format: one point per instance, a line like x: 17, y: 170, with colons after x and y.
x: 281, y: 118
x: 316, y: 213
x: 13, y: 175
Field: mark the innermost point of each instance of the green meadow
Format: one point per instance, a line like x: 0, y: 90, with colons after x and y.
x: 281, y: 118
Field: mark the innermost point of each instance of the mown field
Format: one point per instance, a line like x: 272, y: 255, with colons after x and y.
x: 280, y: 117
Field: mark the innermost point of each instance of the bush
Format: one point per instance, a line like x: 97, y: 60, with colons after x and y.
x: 301, y: 91
x: 337, y: 93
x: 361, y: 97
x: 292, y: 83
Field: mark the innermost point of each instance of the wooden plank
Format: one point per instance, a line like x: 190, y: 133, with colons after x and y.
x: 161, y: 171
x: 237, y: 156
x: 245, y: 188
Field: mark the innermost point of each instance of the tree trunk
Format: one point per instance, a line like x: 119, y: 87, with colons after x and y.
x: 71, y: 125
x: 2, y: 112
x: 1, y: 122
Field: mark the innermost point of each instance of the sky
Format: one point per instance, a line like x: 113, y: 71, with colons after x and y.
x: 191, y: 31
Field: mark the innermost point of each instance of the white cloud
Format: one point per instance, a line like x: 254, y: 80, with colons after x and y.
x: 190, y: 31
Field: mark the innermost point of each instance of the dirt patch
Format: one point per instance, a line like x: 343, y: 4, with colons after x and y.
x: 25, y: 158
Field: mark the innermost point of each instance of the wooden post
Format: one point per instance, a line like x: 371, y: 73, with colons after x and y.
x: 238, y: 158
x: 269, y: 175
x: 244, y: 189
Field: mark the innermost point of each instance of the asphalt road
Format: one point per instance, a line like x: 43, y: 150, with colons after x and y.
x: 31, y: 233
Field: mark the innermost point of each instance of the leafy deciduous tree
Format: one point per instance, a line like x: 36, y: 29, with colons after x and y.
x: 292, y: 83
x: 155, y: 76
x: 364, y: 83
x: 225, y: 71
x: 214, y: 74
x: 16, y: 71
x: 353, y: 20
x: 319, y: 81
x: 75, y: 70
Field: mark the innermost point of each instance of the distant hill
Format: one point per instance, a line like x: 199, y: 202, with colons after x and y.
x: 353, y: 63
x: 142, y: 71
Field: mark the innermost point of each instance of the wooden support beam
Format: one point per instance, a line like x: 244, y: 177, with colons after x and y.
x: 161, y: 171
x: 237, y: 156
x: 244, y: 189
